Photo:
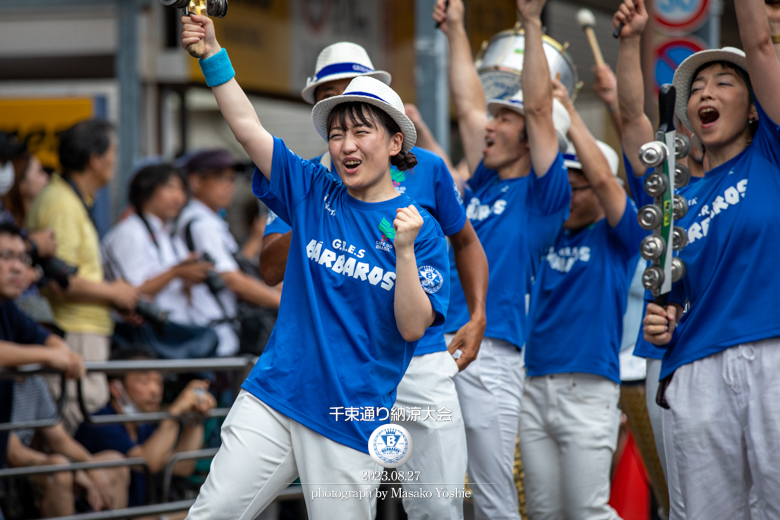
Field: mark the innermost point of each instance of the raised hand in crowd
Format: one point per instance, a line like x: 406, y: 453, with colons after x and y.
x: 194, y: 398
x: 196, y: 28
x: 448, y: 14
x: 531, y: 9
x: 633, y: 15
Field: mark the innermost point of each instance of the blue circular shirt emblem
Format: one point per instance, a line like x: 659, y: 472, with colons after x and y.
x: 431, y: 279
x: 390, y: 445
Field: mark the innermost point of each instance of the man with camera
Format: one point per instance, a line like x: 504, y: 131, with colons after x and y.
x: 211, y: 176
x: 83, y: 299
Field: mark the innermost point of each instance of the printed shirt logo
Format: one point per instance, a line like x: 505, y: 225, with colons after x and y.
x: 563, y: 260
x: 731, y: 197
x: 388, y: 235
x: 398, y: 177
x: 479, y: 212
x: 327, y: 206
x: 458, y: 196
x: 347, y: 264
x: 271, y: 217
x: 430, y: 279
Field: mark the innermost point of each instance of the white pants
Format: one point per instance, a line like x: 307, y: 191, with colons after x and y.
x: 668, y: 464
x: 439, y: 452
x: 568, y: 433
x: 723, y: 432
x: 263, y: 451
x: 490, y: 390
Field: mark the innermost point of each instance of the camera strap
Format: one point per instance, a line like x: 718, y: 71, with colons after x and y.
x: 76, y: 190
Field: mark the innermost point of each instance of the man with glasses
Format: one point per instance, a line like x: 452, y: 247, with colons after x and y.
x: 211, y: 175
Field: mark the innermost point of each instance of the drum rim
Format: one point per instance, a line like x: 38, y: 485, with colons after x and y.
x: 546, y: 38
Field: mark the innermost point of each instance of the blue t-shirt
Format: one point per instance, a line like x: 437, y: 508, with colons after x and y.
x: 101, y: 437
x: 431, y: 186
x: 578, y: 300
x: 516, y: 220
x: 336, y: 344
x: 17, y: 327
x: 644, y: 348
x: 733, y: 228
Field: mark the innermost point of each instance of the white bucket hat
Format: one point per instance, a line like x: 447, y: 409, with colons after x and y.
x: 365, y: 89
x: 570, y: 159
x: 683, y: 76
x: 561, y: 118
x: 340, y: 61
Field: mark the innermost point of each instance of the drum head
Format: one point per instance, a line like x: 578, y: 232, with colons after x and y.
x: 500, y: 66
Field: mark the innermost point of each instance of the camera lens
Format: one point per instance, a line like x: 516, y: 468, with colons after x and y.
x: 57, y: 270
x: 151, y: 313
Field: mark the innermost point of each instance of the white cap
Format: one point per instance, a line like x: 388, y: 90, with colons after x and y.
x: 570, y: 159
x: 561, y: 118
x: 683, y: 76
x: 340, y: 61
x: 365, y: 89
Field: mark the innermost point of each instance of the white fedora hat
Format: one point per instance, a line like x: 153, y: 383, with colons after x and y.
x: 340, y: 61
x: 561, y: 118
x: 366, y: 89
x: 683, y: 76
x: 570, y: 159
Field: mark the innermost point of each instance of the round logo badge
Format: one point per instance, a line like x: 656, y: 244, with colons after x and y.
x: 431, y: 279
x: 390, y: 445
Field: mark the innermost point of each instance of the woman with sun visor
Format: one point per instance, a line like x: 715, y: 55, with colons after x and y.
x: 351, y: 313
x: 720, y: 370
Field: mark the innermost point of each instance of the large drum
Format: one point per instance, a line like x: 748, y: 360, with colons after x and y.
x: 500, y: 64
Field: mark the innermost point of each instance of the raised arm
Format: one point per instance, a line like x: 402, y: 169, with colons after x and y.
x: 773, y: 13
x: 637, y: 128
x: 467, y: 93
x: 595, y: 166
x: 233, y: 102
x: 537, y: 93
x: 605, y: 87
x: 763, y: 66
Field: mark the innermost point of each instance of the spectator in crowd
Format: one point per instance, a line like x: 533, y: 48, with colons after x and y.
x: 211, y: 176
x: 142, y: 250
x: 19, y: 168
x: 102, y: 488
x: 141, y: 392
x: 87, y: 153
x: 16, y: 329
x: 29, y: 180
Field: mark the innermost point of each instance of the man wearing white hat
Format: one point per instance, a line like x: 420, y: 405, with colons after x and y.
x: 520, y: 200
x: 570, y: 418
x: 439, y: 446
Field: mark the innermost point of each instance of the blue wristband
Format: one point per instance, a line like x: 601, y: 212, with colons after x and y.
x: 217, y: 69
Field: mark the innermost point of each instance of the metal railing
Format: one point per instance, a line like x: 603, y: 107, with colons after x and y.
x: 120, y: 367
x: 178, y: 457
x: 28, y: 370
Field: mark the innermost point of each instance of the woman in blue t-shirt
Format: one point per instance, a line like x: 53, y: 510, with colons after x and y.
x: 367, y: 275
x: 720, y: 368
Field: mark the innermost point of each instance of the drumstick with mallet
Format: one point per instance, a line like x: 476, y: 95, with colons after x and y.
x: 587, y: 21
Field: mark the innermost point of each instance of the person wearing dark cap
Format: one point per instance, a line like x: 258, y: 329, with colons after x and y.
x: 211, y: 176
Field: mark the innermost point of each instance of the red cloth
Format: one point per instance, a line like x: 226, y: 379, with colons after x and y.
x: 630, y: 495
